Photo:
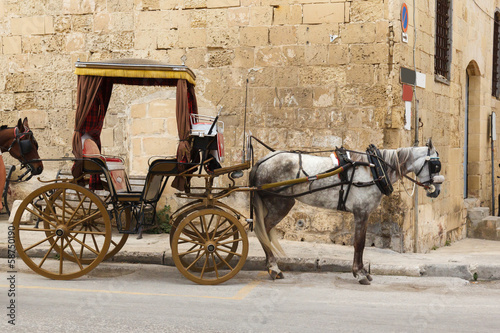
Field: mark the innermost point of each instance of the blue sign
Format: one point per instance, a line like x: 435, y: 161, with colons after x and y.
x: 404, y: 17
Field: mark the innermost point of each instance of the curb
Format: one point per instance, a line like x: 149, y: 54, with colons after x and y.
x: 257, y: 263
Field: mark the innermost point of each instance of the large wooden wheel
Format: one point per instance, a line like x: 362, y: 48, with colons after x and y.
x: 76, y: 231
x: 209, y: 246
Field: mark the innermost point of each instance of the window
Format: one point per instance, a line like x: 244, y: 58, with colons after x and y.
x: 442, y: 56
x: 495, y: 87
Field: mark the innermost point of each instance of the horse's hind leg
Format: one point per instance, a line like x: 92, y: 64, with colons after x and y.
x: 277, y: 208
x: 358, y: 269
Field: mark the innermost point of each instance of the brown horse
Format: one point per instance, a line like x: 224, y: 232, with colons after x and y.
x: 21, y: 144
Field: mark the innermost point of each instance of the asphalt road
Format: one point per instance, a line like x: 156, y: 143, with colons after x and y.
x: 151, y: 298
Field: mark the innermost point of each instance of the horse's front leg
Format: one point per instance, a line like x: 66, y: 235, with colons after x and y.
x: 358, y: 270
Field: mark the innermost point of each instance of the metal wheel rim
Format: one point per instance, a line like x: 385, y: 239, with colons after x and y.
x: 187, y: 252
x: 62, y: 229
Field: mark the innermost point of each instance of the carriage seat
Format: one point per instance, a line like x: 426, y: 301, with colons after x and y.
x: 113, y: 165
x: 159, y: 172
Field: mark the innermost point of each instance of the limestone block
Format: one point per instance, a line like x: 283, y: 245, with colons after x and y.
x: 360, y: 74
x: 32, y: 44
x: 323, y: 97
x: 26, y: 217
x: 147, y: 126
x: 359, y: 33
x: 316, y: 54
x: 270, y: 57
x: 170, y: 4
x: 286, y: 76
x: 195, y: 4
x: 148, y: 5
x: 144, y: 40
x: 63, y: 99
x: 162, y: 108
x: 243, y: 57
x: 321, y: 76
x: 37, y: 118
x: 79, y: 6
x: 261, y: 16
x: 477, y: 214
x: 282, y: 35
x: 151, y: 20
x: 196, y: 57
x: 75, y: 42
x: 238, y: 16
x: 287, y: 14
x: 219, y: 58
x: 34, y: 25
x: 323, y: 13
x: 122, y: 41
x: 220, y: 37
x: 222, y: 3
x: 24, y: 101
x: 217, y: 18
x: 369, y: 53
x: 82, y: 23
x: 107, y: 137
x: 316, y: 34
x: 338, y: 54
x: 159, y: 146
x: 366, y: 11
x: 189, y: 37
x: 120, y: 22
x: 62, y: 23
x: 254, y: 36
x: 11, y: 45
x: 120, y: 5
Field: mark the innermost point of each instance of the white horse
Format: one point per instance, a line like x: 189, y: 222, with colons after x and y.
x: 364, y: 196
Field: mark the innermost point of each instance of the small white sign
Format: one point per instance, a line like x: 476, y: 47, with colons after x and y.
x: 407, y: 116
x: 420, y: 80
x: 404, y: 37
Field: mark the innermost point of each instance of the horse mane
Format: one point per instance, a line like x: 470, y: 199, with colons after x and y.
x: 395, y: 158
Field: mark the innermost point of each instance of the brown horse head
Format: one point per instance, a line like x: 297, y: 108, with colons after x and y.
x: 22, y: 145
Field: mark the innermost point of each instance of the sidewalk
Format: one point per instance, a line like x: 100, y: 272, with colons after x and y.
x: 462, y: 259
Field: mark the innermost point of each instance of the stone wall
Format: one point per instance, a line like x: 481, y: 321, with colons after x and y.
x: 320, y: 73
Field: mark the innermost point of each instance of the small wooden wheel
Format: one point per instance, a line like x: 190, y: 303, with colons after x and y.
x: 209, y: 246
x: 70, y: 214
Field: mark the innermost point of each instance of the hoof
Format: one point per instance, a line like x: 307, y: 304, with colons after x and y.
x: 364, y: 280
x: 369, y: 277
x: 275, y: 275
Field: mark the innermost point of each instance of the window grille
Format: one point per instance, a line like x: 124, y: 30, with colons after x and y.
x: 442, y: 57
x: 495, y: 91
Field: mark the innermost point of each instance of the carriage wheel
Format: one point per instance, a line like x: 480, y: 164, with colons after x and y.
x: 209, y: 246
x: 67, y: 210
x: 117, y: 240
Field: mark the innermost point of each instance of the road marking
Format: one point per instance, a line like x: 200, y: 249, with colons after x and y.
x: 240, y: 295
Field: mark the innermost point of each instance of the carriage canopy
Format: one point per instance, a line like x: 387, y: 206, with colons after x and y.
x: 95, y: 85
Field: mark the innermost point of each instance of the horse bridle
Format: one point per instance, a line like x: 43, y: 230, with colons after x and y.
x: 25, y: 147
x: 434, y: 165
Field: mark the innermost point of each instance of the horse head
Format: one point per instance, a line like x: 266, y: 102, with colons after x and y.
x: 22, y: 145
x: 427, y: 169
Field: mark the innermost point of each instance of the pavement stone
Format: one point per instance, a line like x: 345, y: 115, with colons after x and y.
x: 461, y: 259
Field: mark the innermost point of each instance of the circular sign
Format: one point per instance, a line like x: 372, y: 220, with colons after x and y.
x: 404, y: 17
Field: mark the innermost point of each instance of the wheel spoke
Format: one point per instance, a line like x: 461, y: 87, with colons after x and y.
x: 42, y: 216
x: 40, y: 242
x: 231, y: 241
x: 215, y: 265
x: 95, y: 243
x: 34, y: 229
x: 46, y: 255
x: 49, y: 206
x: 87, y: 218
x: 195, y: 230
x: 190, y: 251
x: 223, y: 260
x: 235, y: 232
x: 219, y: 217
x: 76, y: 210
x: 204, y: 266
x: 61, y: 257
x: 74, y: 254
x: 191, y: 241
x: 83, y: 244
x: 230, y: 252
x: 195, y: 261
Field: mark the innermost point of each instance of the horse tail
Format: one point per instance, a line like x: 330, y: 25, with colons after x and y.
x: 269, y: 241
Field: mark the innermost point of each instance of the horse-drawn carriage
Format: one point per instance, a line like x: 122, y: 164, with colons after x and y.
x: 208, y: 238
